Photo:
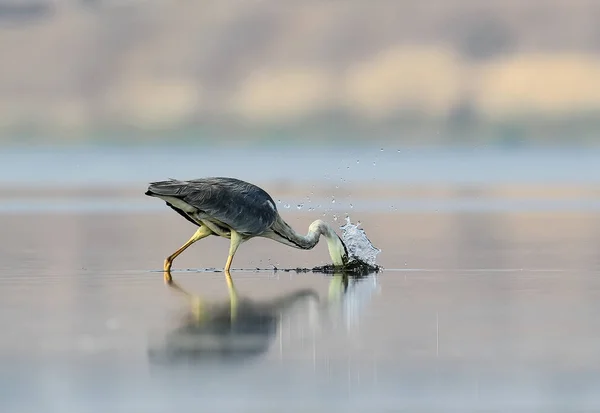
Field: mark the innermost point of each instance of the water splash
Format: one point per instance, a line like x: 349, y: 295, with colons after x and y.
x: 359, y: 246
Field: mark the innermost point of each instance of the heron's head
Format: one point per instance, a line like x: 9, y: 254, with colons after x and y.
x: 337, y: 248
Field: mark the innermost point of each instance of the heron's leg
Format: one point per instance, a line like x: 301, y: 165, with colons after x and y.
x: 233, y: 297
x: 236, y: 240
x: 202, y: 232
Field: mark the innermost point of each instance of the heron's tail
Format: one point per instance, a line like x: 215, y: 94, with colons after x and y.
x: 171, y: 187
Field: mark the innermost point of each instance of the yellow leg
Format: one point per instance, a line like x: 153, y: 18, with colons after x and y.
x: 236, y: 240
x: 202, y: 232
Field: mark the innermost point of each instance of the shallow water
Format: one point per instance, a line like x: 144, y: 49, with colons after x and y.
x: 488, y: 301
x: 473, y: 310
x: 364, y: 165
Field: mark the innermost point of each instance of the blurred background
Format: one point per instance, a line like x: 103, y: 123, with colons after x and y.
x: 435, y: 72
x: 462, y: 134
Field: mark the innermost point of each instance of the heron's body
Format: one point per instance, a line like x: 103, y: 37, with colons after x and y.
x: 237, y: 210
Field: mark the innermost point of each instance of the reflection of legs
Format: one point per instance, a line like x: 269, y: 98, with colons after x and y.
x: 202, y: 232
x: 233, y: 299
x: 196, y: 302
x: 236, y: 240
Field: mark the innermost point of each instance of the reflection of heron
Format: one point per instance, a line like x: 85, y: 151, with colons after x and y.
x: 235, y: 330
x: 238, y: 210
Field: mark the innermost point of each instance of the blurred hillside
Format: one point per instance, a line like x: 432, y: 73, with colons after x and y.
x: 429, y: 71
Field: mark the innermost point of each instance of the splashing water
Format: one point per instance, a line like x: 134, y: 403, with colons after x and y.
x: 359, y: 246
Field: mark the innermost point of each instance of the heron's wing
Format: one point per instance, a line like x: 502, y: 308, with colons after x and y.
x: 240, y: 205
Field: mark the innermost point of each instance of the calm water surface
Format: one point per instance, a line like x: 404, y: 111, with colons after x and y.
x: 489, y: 301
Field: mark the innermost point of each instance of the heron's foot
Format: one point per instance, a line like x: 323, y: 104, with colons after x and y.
x: 167, y: 271
x: 167, y: 277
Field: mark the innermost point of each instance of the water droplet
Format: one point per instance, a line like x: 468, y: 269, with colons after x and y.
x: 351, y: 206
x: 374, y: 164
x: 318, y: 206
x: 333, y: 200
x: 310, y: 209
x: 347, y: 167
x: 299, y: 206
x: 335, y: 217
x: 381, y: 150
x: 286, y: 206
x: 279, y: 201
x: 357, y: 161
x: 337, y: 187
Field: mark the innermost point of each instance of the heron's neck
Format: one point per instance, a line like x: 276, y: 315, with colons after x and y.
x: 285, y: 234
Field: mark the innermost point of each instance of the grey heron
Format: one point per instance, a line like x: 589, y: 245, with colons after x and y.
x: 237, y: 210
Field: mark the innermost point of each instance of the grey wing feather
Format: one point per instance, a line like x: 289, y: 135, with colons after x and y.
x: 240, y: 205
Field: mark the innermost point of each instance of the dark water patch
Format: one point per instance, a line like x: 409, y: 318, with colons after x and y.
x: 354, y: 268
